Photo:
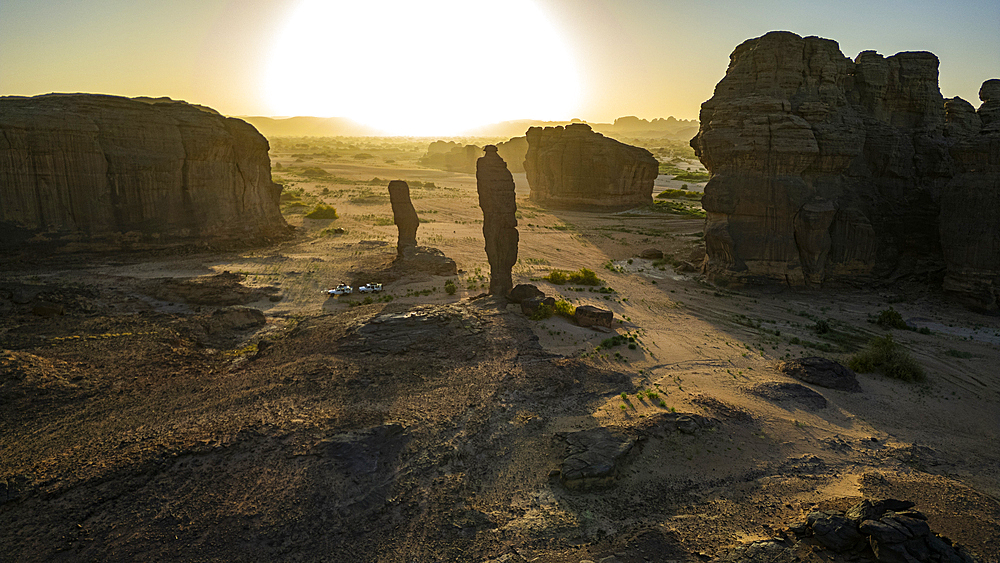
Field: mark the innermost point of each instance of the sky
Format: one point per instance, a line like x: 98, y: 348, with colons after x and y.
x: 453, y: 64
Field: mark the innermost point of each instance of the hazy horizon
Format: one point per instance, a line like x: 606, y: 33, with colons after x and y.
x: 450, y: 66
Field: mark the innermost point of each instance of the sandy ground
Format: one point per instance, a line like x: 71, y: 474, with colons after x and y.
x: 703, y: 349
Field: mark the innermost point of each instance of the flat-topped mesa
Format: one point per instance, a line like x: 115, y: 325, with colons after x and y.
x: 85, y: 171
x: 404, y: 215
x: 496, y: 198
x: 826, y: 168
x: 574, y: 167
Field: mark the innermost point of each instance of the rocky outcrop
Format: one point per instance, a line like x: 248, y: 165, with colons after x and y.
x: 588, y: 315
x: 513, y: 152
x: 970, y: 232
x: 94, y: 171
x: 574, y: 167
x: 822, y: 372
x: 826, y: 168
x: 496, y: 198
x: 404, y: 215
x: 451, y: 156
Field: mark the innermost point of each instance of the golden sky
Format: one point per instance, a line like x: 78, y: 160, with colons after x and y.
x: 454, y: 64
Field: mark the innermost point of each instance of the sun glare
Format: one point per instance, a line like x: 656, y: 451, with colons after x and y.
x: 422, y: 68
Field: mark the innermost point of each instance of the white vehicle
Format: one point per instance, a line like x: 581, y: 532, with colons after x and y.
x: 342, y: 289
x: 370, y: 288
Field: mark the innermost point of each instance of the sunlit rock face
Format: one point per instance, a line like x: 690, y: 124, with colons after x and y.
x: 496, y: 198
x: 573, y: 167
x: 826, y: 168
x: 82, y: 171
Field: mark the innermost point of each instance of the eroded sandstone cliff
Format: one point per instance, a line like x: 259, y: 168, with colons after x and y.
x: 826, y: 168
x: 574, y: 167
x: 95, y: 171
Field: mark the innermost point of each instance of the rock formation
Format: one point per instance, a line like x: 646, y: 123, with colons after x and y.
x: 574, y: 167
x: 94, y: 171
x: 513, y: 152
x: 970, y: 232
x: 826, y: 168
x: 451, y: 156
x: 496, y: 198
x: 404, y: 215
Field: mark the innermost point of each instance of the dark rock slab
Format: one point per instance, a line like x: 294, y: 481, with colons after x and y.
x: 821, y: 371
x: 594, y: 458
x: 524, y: 291
x: 588, y: 315
x: 651, y: 254
x: 790, y: 392
x: 835, y: 531
x: 426, y: 260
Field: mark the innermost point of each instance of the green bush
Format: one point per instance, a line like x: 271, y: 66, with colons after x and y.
x: 449, y: 287
x: 883, y: 355
x: 322, y: 211
x: 890, y: 318
x: 584, y: 277
x: 557, y: 277
x: 543, y: 312
x: 564, y: 308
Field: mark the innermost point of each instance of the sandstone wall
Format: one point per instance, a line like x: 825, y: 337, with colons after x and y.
x: 823, y: 167
x: 574, y: 167
x: 92, y: 171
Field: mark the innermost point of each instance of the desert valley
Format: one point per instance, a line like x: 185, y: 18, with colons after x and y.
x: 764, y: 336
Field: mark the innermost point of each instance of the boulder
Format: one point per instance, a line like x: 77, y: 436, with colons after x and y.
x: 588, y: 315
x: 573, y: 167
x: 594, y: 458
x: 95, y: 172
x: 651, y: 254
x: 426, y: 260
x: 530, y: 305
x: 496, y: 198
x: 822, y: 372
x: 404, y: 215
x: 524, y: 291
x: 824, y: 168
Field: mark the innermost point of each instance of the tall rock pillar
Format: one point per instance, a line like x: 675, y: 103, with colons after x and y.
x: 404, y: 215
x: 496, y: 198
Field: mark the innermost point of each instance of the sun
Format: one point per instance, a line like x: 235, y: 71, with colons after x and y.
x: 435, y: 67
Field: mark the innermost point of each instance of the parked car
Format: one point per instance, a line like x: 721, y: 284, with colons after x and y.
x: 341, y: 289
x: 370, y: 288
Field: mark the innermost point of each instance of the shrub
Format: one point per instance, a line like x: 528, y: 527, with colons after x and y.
x: 362, y: 156
x: 890, y: 318
x: 584, y: 277
x: 564, y: 308
x: 543, y: 312
x: 449, y: 287
x: 883, y: 355
x: 557, y: 277
x: 322, y: 211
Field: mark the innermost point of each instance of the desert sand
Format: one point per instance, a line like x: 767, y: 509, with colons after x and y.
x: 184, y: 450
